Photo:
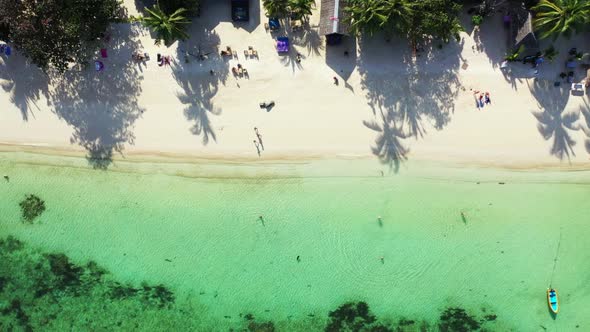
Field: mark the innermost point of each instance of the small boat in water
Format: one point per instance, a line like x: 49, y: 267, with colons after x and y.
x: 552, y: 300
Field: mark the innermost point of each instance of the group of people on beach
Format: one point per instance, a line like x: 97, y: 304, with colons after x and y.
x: 481, y: 99
x: 164, y: 60
x: 239, y: 71
x: 258, y: 141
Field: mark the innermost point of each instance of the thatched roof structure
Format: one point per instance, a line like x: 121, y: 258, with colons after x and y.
x: 332, y: 18
x: 521, y: 29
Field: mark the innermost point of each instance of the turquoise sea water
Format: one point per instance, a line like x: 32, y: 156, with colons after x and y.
x: 195, y: 227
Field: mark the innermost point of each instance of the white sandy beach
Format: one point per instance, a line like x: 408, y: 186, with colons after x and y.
x: 427, y: 107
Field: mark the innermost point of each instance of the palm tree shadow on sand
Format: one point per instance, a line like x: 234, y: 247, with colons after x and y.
x: 25, y: 83
x: 389, y: 146
x: 409, y: 98
x: 554, y: 123
x: 197, y: 85
x: 102, y: 107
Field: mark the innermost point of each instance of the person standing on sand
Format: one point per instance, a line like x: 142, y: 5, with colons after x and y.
x: 335, y: 80
x: 259, y: 138
x: 257, y: 147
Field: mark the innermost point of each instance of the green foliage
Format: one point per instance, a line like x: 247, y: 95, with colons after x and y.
x: 561, y: 17
x: 434, y: 19
x: 476, y: 19
x: 170, y: 6
x: 371, y: 16
x: 276, y: 8
x: 57, y: 33
x: 301, y: 9
x: 515, y: 54
x: 167, y: 28
x: 580, y: 56
x: 550, y: 53
x: 31, y: 207
x: 418, y: 20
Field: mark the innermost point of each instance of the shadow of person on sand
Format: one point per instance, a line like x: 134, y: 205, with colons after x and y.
x: 415, y: 95
x: 102, y: 106
x: 24, y: 82
x: 553, y: 121
x: 197, y: 85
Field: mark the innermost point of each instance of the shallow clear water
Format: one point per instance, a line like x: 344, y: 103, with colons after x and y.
x: 196, y: 229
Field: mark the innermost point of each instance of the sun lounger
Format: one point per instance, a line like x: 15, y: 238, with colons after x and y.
x: 282, y: 44
x: 274, y: 24
x: 577, y: 87
x: 5, y: 49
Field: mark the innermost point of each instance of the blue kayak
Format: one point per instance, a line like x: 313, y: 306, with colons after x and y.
x: 552, y: 300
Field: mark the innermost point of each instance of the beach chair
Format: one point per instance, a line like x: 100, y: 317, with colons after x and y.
x: 98, y: 65
x: 282, y: 44
x: 274, y: 23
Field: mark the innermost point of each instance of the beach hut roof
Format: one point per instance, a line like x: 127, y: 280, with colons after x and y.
x: 522, y: 29
x: 332, y: 17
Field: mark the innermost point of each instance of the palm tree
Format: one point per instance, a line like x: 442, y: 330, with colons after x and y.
x: 167, y: 28
x: 554, y: 17
x: 275, y: 8
x: 370, y: 16
x: 301, y: 8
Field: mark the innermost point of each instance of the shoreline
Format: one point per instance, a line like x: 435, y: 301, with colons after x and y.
x: 134, y: 158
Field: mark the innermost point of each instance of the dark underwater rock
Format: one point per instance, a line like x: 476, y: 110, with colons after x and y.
x: 261, y: 327
x: 11, y: 244
x: 457, y: 320
x: 354, y: 316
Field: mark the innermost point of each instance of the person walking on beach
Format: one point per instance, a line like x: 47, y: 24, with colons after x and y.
x: 335, y: 80
x: 257, y: 147
x: 259, y: 138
